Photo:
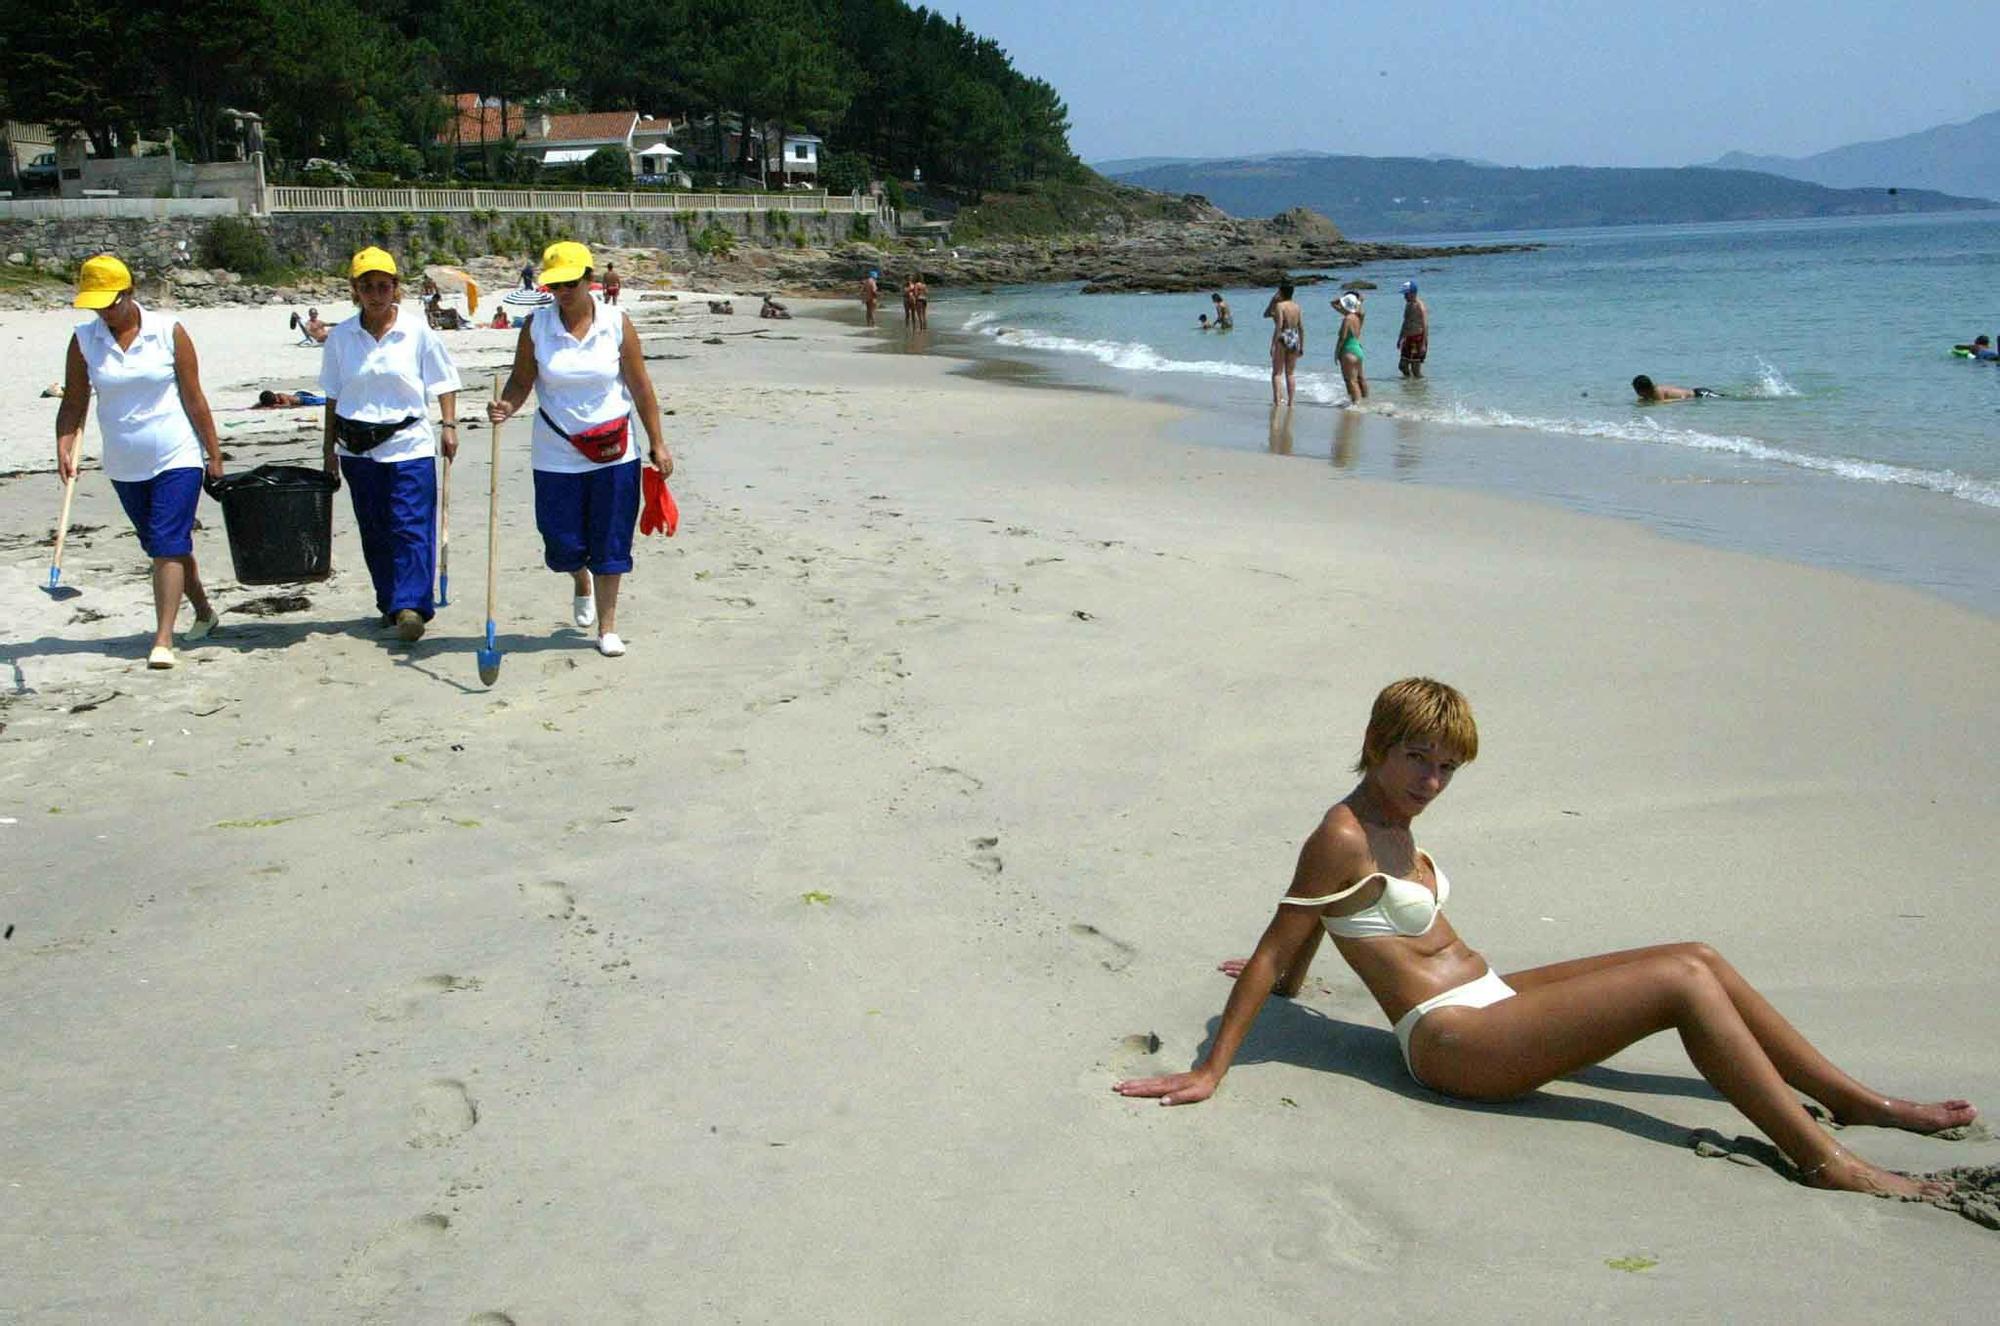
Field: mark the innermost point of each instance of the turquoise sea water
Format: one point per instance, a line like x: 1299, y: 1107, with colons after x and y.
x: 1851, y: 437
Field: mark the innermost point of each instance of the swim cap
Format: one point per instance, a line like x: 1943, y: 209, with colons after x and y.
x: 1409, y: 287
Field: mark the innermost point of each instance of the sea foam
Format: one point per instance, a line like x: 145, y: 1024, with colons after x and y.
x: 1138, y: 357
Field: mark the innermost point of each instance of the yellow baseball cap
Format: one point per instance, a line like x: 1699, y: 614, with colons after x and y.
x: 565, y: 260
x: 100, y: 283
x: 371, y: 259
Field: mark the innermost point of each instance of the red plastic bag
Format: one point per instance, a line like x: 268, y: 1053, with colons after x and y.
x: 658, y: 513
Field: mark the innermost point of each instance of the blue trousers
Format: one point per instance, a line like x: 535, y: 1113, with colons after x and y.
x: 395, y: 509
x: 587, y: 519
x: 162, y: 510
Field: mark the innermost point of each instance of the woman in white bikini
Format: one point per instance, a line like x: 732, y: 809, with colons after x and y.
x: 1288, y: 340
x: 1467, y: 1032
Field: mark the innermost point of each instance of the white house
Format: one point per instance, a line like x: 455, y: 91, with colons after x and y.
x: 570, y: 140
x: 801, y: 162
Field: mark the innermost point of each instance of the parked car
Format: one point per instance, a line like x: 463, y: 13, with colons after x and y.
x: 40, y: 175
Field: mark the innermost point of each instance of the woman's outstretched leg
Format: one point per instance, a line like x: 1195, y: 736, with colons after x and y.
x: 1795, y: 1057
x: 1558, y: 1027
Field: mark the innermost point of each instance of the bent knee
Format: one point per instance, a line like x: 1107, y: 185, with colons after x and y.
x: 1702, y: 953
x: 1687, y: 973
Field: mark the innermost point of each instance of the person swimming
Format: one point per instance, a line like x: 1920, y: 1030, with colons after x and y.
x: 1660, y: 393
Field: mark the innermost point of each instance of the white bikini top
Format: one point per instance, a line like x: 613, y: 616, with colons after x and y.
x: 1405, y: 907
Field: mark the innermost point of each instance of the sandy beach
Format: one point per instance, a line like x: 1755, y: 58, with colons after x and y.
x: 779, y: 971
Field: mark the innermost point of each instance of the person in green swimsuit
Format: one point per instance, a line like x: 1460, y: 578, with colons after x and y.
x: 1347, y: 347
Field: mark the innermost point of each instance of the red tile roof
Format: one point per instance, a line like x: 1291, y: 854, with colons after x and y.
x: 592, y: 127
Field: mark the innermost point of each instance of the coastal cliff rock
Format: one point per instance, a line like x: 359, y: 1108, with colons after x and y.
x: 1205, y: 251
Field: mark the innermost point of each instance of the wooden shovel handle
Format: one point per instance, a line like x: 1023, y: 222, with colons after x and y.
x: 493, y: 518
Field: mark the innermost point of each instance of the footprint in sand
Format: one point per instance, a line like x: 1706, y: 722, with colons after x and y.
x: 955, y: 780
x: 876, y: 726
x: 489, y: 1319
x: 405, y: 1004
x: 387, y: 1262
x: 443, y: 1113
x: 1317, y: 1225
x: 1112, y: 954
x: 983, y: 857
x: 550, y: 899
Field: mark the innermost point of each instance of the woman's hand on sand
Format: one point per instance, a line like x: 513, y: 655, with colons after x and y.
x: 1173, y: 1089
x: 499, y: 411
x: 1232, y: 967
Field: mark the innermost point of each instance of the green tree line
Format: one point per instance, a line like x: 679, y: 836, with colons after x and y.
x: 893, y: 89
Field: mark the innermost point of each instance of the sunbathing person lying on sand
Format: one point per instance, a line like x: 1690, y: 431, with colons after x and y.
x: 1470, y: 1033
x: 287, y: 400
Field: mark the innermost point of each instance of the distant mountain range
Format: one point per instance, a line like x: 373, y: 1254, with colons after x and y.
x: 1952, y: 158
x: 1383, y: 196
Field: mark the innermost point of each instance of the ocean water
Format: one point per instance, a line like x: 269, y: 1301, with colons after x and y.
x: 1850, y: 436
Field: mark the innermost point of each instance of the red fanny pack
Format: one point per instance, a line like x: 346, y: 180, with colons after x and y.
x: 600, y: 443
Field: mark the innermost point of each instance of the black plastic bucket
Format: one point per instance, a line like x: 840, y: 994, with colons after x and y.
x: 280, y: 523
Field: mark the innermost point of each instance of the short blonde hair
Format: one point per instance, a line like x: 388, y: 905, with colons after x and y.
x: 1419, y: 709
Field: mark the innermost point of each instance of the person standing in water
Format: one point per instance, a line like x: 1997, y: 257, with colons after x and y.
x: 1288, y: 341
x: 871, y: 295
x: 1224, y: 319
x: 1347, y: 347
x: 1413, y: 342
x: 157, y: 429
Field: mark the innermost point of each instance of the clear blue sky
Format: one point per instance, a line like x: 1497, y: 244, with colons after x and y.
x: 1530, y: 83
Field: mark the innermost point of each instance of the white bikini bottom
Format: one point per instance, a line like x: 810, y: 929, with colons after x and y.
x: 1488, y: 989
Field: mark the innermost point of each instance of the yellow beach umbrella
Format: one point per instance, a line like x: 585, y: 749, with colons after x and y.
x: 451, y: 279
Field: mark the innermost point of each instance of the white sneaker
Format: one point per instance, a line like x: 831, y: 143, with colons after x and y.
x: 610, y: 645
x: 203, y: 627
x: 162, y: 658
x: 583, y: 609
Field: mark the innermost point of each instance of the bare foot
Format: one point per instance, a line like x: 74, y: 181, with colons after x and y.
x: 1910, y: 1115
x: 1847, y: 1172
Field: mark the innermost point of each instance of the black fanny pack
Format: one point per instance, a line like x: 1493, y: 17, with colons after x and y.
x: 361, y: 438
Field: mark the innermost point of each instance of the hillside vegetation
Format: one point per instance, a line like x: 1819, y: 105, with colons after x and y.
x: 1078, y: 202
x: 1408, y: 195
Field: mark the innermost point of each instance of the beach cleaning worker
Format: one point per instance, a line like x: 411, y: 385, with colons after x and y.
x: 583, y: 362
x: 157, y: 430
x: 378, y: 374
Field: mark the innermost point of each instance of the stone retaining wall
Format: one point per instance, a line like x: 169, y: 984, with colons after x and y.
x: 323, y: 241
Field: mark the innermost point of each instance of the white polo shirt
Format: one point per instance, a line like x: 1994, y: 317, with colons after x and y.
x: 378, y: 382
x: 580, y: 385
x: 146, y: 428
